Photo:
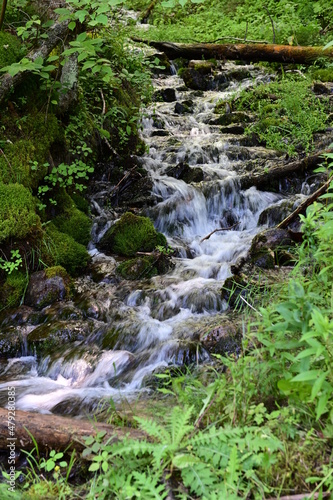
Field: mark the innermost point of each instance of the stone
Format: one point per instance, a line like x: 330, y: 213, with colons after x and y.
x: 186, y: 173
x: 44, y: 289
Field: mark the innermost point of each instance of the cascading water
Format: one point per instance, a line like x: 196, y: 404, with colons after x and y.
x: 135, y: 328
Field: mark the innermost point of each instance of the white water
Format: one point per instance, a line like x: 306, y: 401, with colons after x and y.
x: 156, y: 323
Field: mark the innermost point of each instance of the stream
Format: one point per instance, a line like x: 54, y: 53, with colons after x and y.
x: 116, y: 333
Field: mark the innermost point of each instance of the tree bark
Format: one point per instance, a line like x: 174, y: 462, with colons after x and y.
x: 245, y: 52
x: 56, y: 34
x: 263, y: 178
x: 53, y: 432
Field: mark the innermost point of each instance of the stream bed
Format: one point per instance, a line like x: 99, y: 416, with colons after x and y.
x: 106, y: 342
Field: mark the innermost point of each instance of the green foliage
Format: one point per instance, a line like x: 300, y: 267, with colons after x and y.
x: 288, y: 114
x: 13, y: 263
x: 17, y: 212
x: 295, y: 23
x: 132, y: 234
x: 60, y: 249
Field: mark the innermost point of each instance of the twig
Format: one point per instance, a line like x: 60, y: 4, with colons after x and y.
x: 296, y: 71
x: 103, y: 100
x: 217, y: 230
x: 247, y: 303
x: 122, y: 179
x: 272, y: 22
x: 11, y: 168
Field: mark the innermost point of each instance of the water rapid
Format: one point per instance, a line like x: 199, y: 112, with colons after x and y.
x: 130, y: 329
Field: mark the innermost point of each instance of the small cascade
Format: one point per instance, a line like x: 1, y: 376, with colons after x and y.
x: 140, y: 327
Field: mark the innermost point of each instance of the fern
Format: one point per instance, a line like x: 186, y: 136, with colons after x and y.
x: 200, y: 478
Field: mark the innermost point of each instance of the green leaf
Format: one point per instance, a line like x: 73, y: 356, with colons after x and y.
x: 94, y: 467
x: 322, y: 405
x: 72, y: 25
x: 306, y: 376
x: 81, y: 37
x: 102, y: 19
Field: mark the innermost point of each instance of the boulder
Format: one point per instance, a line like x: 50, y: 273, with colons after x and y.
x: 267, y: 245
x: 186, y: 173
x: 46, y: 287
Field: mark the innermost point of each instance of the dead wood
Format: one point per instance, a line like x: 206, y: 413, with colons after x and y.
x: 304, y: 205
x: 54, y: 432
x: 245, y: 52
x: 264, y: 178
x: 217, y: 230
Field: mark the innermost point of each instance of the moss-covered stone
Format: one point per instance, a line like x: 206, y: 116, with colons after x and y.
x: 17, y: 212
x: 46, y: 287
x: 81, y: 203
x: 141, y: 267
x: 323, y: 74
x: 10, y: 49
x: 60, y: 249
x: 12, y: 291
x: 76, y: 224
x: 131, y: 234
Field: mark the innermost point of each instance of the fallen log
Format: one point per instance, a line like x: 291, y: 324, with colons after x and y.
x: 53, y: 432
x: 263, y: 178
x: 56, y: 34
x: 304, y: 205
x: 242, y: 51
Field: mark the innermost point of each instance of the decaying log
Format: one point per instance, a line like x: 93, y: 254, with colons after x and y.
x: 242, y: 51
x: 56, y: 34
x: 263, y: 178
x: 304, y: 205
x: 53, y: 432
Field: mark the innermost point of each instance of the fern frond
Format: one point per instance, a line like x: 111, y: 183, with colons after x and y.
x: 154, y: 430
x: 200, y: 479
x: 178, y: 424
x: 149, y: 486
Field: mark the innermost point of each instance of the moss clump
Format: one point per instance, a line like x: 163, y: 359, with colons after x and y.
x: 323, y: 75
x: 76, y: 224
x: 81, y: 203
x: 10, y: 49
x: 13, y: 289
x: 51, y: 272
x: 17, y: 212
x: 132, y: 234
x: 60, y: 249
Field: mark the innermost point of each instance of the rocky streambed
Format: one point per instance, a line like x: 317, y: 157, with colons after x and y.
x: 141, y: 310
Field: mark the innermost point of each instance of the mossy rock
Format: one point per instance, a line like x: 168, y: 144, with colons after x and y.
x: 46, y: 287
x: 18, y: 218
x: 202, y: 67
x: 131, y: 234
x: 11, y: 343
x: 50, y: 337
x: 76, y: 224
x: 323, y: 75
x: 12, y: 291
x: 60, y: 249
x: 135, y: 269
x: 231, y: 118
x: 81, y: 203
x: 10, y: 49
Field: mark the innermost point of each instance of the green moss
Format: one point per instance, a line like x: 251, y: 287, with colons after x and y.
x: 141, y: 267
x: 17, y: 212
x: 60, y: 249
x: 51, y: 272
x: 10, y: 49
x: 13, y: 289
x: 81, y: 203
x: 132, y: 234
x: 323, y: 75
x: 76, y: 224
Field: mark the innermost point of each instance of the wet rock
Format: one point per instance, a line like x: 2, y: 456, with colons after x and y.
x: 195, y: 80
x: 103, y: 268
x: 146, y: 266
x: 323, y: 88
x: 231, y: 118
x: 232, y: 288
x: 131, y: 234
x: 166, y: 95
x: 46, y: 287
x: 184, y: 107
x: 160, y: 133
x: 265, y: 247
x: 17, y: 317
x: 222, y: 339
x: 186, y: 173
x: 275, y: 213
x: 232, y: 129
x: 239, y: 74
x: 11, y: 342
x: 49, y: 337
x: 160, y: 63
